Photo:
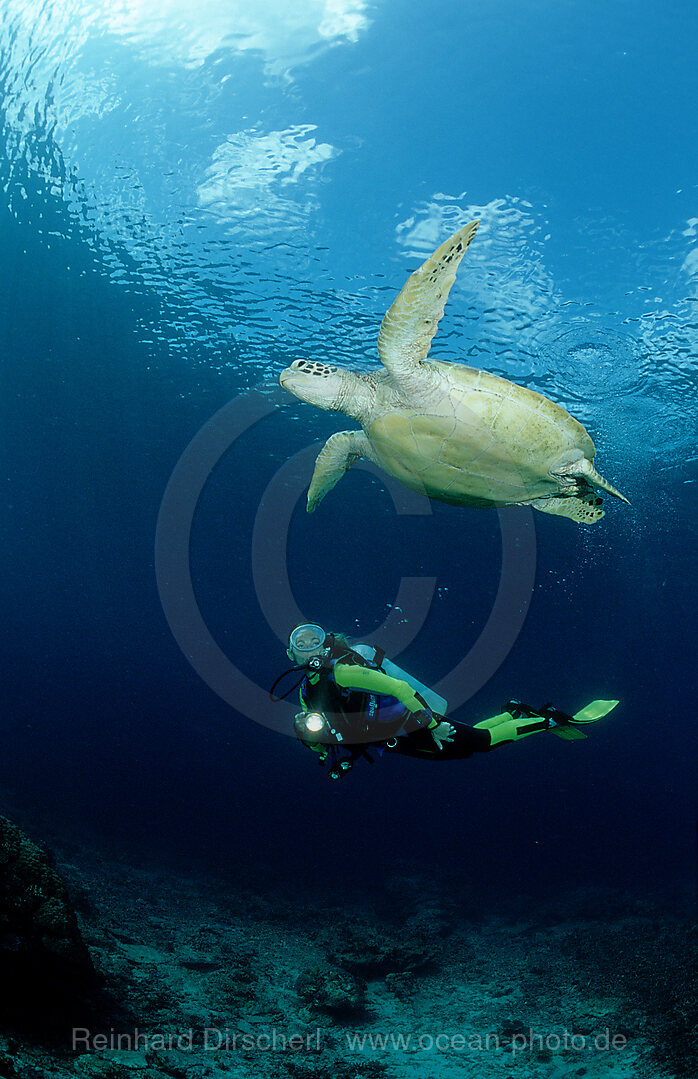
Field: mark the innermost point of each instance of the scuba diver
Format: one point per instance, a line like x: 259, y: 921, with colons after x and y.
x: 356, y: 703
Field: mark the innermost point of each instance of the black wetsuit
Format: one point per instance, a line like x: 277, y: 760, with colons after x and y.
x: 465, y: 741
x: 372, y: 712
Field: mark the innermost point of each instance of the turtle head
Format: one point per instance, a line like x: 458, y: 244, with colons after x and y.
x: 320, y: 384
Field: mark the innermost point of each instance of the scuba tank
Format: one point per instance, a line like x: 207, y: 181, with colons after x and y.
x: 375, y: 657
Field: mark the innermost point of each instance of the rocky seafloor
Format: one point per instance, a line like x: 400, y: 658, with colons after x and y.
x: 110, y: 968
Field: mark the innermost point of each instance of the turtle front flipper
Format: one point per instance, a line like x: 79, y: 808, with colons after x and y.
x: 408, y: 327
x: 335, y: 458
x: 585, y: 510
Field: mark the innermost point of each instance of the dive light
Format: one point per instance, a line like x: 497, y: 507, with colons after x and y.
x: 314, y: 722
x: 316, y: 725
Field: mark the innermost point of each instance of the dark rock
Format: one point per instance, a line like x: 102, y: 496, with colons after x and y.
x: 201, y: 966
x: 369, y: 948
x: 402, y: 985
x: 334, y: 991
x: 42, y: 954
x: 235, y: 983
x: 7, y: 1066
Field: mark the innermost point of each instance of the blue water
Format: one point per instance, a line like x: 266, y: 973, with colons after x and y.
x: 193, y: 199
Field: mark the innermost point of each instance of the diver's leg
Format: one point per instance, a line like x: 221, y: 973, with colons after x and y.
x: 508, y: 726
x: 466, y: 741
x: 485, y: 735
x: 516, y: 721
x: 508, y: 729
x: 488, y: 724
x: 520, y: 720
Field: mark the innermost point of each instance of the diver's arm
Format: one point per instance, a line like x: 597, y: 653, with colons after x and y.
x: 317, y: 747
x: 351, y: 676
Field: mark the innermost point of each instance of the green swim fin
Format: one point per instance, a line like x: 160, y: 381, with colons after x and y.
x: 593, y: 711
x: 567, y: 731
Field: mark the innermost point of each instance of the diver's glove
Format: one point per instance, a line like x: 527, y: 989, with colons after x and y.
x: 442, y: 733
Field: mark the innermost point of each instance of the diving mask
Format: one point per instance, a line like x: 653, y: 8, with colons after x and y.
x: 305, y: 641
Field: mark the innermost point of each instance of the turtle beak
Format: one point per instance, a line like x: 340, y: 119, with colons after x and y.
x: 294, y: 379
x: 316, y: 383
x: 286, y: 378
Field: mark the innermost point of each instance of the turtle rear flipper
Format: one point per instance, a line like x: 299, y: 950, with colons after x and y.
x: 582, y: 468
x: 585, y: 510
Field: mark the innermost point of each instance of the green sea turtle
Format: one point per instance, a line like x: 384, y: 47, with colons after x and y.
x: 451, y: 432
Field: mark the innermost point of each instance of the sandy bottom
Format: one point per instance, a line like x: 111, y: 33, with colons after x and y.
x: 214, y: 977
